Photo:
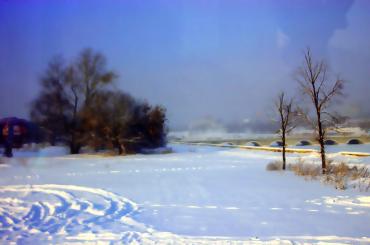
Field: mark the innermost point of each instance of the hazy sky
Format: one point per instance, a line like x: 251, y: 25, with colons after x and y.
x: 225, y: 59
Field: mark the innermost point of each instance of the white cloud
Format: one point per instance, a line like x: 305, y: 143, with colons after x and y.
x: 355, y: 38
x: 281, y: 39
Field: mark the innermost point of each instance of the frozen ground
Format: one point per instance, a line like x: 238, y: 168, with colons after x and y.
x: 197, y: 195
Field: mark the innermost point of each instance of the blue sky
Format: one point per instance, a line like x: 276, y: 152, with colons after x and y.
x: 225, y: 59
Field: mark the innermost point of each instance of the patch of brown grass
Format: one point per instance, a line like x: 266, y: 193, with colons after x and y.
x: 341, y: 175
x: 308, y: 170
x: 274, y: 166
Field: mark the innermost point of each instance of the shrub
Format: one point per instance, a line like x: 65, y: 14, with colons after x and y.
x: 341, y: 175
x: 274, y: 166
x: 305, y: 169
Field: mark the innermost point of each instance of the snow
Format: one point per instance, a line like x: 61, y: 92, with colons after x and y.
x: 50, y: 151
x: 196, y: 195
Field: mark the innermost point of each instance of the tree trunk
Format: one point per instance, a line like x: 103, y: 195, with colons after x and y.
x: 119, y: 146
x: 8, y: 151
x: 74, y: 147
x: 321, y: 135
x: 284, y: 157
x: 121, y: 149
x: 52, y: 139
x: 322, y: 152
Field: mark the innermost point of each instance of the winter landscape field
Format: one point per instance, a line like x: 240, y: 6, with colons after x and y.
x: 194, y: 195
x: 184, y: 122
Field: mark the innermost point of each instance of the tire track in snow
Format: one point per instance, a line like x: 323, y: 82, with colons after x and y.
x: 29, y: 212
x: 35, y: 214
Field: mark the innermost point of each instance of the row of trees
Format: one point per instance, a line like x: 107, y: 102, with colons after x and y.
x: 318, y: 88
x: 78, y: 105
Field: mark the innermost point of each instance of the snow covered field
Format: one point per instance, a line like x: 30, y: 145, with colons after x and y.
x: 197, y: 195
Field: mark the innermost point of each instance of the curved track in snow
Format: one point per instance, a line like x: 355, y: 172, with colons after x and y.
x: 58, y: 214
x: 51, y: 212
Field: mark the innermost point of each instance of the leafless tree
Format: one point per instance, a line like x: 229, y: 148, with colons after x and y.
x: 78, y: 106
x: 91, y: 74
x: 67, y: 92
x: 132, y: 125
x: 315, y: 83
x: 52, y: 107
x: 286, y: 113
x: 118, y: 107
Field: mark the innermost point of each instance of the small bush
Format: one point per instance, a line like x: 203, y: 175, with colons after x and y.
x: 340, y: 169
x: 341, y: 175
x: 274, y: 166
x: 305, y: 169
x: 361, y: 172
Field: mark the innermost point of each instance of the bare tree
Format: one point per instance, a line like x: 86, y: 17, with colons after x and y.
x: 132, y: 125
x: 66, y: 97
x: 314, y: 81
x: 52, y: 107
x: 77, y: 105
x: 118, y: 107
x: 285, y: 109
x: 91, y: 74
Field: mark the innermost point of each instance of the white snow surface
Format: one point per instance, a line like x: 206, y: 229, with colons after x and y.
x: 196, y: 195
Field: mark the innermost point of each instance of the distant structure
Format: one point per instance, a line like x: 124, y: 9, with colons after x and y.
x: 277, y: 143
x: 303, y: 143
x: 253, y: 143
x: 354, y: 142
x: 14, y: 132
x: 330, y: 142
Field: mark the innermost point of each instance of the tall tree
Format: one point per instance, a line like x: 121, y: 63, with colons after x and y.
x: 314, y: 82
x: 286, y: 113
x: 118, y: 107
x: 157, y: 126
x: 91, y: 74
x: 52, y: 107
x: 76, y: 105
x: 67, y: 92
x: 132, y: 124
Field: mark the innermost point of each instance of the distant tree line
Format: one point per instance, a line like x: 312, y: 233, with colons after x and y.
x: 78, y: 106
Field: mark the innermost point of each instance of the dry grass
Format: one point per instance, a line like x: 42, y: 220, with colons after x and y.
x: 274, y: 166
x: 302, y: 168
x: 307, y: 170
x: 341, y: 175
